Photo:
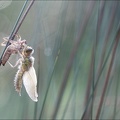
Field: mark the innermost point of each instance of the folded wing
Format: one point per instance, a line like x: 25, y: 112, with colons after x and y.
x: 30, y: 83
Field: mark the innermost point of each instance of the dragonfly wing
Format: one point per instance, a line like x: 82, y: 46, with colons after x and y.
x: 30, y: 83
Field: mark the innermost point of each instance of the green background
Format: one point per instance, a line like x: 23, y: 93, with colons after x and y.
x: 53, y: 28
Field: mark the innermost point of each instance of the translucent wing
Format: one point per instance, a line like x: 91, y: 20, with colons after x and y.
x: 30, y: 83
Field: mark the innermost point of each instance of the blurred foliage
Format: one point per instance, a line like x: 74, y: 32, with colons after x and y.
x: 52, y: 28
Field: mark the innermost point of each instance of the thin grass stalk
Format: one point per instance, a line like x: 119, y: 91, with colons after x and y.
x: 60, y: 29
x: 71, y: 58
x: 99, y: 22
x: 97, y: 81
x: 13, y: 30
x: 116, y: 93
x: 17, y: 21
x: 91, y: 76
x: 110, y: 27
x: 68, y: 100
x: 72, y: 91
x: 104, y: 48
x: 92, y: 72
x: 51, y: 75
x: 57, y: 45
x: 108, y: 74
x: 106, y: 59
x: 116, y: 96
x: 23, y: 17
x: 107, y: 92
x: 89, y: 79
x: 106, y: 40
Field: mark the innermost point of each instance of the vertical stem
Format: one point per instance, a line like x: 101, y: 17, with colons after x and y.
x: 12, y: 33
x: 110, y: 26
x: 51, y: 74
x: 71, y: 58
x: 20, y: 23
x: 89, y: 84
x: 72, y: 92
x: 22, y: 19
x: 91, y: 78
x: 13, y: 30
x: 95, y: 86
x: 116, y: 96
x: 108, y: 74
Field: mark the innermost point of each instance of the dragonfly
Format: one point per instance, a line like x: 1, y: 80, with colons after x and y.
x: 26, y: 73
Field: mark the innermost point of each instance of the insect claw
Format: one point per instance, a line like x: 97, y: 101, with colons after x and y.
x: 19, y: 93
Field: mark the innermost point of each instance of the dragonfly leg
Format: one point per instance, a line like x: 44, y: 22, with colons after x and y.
x: 18, y: 37
x: 5, y: 41
x: 16, y: 64
x: 20, y: 54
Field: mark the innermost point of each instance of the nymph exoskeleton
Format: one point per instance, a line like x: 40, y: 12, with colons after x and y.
x: 26, y: 73
x: 13, y: 48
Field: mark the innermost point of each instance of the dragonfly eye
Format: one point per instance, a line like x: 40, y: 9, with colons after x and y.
x: 28, y: 51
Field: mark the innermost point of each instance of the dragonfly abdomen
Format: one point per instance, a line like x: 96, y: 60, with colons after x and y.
x: 18, y: 81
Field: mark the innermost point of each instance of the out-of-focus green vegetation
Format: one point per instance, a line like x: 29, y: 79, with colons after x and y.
x: 53, y: 29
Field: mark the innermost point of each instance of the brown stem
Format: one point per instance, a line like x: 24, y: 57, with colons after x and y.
x: 91, y: 70
x: 107, y: 38
x: 108, y: 74
x: 72, y: 56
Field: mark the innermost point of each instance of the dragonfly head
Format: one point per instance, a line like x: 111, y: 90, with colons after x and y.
x: 28, y: 51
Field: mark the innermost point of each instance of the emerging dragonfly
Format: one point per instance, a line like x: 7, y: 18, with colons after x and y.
x: 26, y: 73
x: 13, y: 48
